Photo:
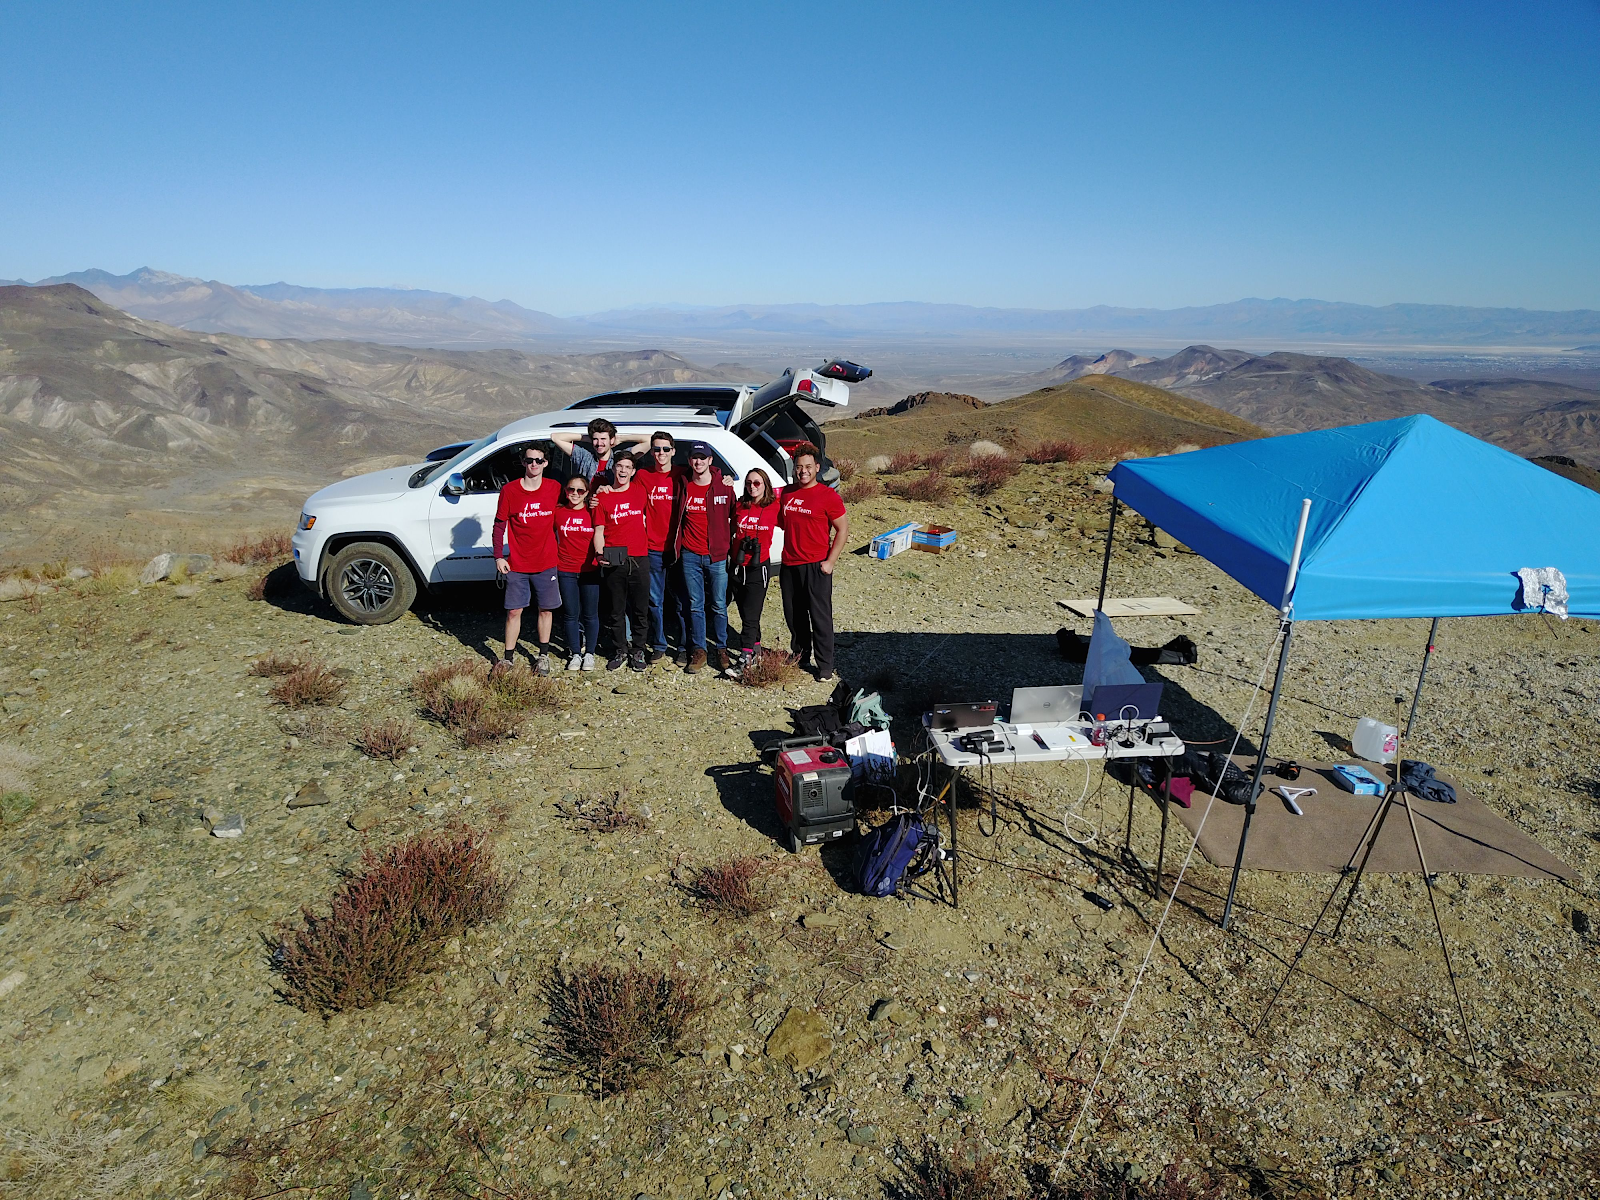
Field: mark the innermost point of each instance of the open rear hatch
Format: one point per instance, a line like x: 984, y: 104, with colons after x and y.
x: 772, y: 421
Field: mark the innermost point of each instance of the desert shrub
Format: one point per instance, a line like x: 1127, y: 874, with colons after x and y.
x: 769, y: 668
x: 389, y: 738
x: 256, y: 552
x: 984, y: 449
x: 1060, y: 451
x: 110, y: 580
x: 617, y: 1025
x: 480, y: 706
x: 927, y: 489
x: 1104, y: 1181
x: 732, y: 886
x: 903, y: 461
x: 387, y: 921
x: 273, y: 665
x: 606, y: 813
x: 878, y: 464
x: 308, y: 683
x: 80, y: 1162
x: 861, y: 489
x: 256, y: 589
x: 18, y: 587
x: 991, y: 473
x: 846, y: 467
x: 929, y: 1173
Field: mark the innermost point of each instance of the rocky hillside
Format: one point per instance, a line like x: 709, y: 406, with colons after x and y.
x: 1100, y: 411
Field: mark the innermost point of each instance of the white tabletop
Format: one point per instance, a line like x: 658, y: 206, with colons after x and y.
x: 1020, y: 748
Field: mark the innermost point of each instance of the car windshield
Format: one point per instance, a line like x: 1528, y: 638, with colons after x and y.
x: 439, y: 470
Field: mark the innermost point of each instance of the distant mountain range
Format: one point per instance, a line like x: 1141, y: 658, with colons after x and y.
x: 407, y: 317
x: 1286, y: 393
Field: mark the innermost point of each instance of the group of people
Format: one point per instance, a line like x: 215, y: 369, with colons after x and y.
x: 651, y: 549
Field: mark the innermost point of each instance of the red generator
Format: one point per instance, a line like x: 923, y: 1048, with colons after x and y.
x: 816, y: 801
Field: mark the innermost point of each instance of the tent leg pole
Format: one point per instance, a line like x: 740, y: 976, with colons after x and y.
x: 1105, y: 565
x: 1261, y: 762
x: 1433, y: 633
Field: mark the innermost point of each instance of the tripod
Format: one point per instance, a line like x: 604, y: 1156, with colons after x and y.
x: 1395, y: 795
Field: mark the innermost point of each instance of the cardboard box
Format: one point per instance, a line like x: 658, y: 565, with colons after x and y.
x: 895, y: 541
x: 935, y: 539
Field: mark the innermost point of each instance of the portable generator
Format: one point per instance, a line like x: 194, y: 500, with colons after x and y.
x: 816, y: 801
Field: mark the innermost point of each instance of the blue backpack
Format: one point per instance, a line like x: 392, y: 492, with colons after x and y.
x: 887, y: 852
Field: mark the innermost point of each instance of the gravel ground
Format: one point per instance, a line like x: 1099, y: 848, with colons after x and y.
x: 146, y: 1053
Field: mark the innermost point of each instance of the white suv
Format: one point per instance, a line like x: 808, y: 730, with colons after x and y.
x: 368, y: 543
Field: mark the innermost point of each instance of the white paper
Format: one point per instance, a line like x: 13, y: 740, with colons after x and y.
x: 871, y: 755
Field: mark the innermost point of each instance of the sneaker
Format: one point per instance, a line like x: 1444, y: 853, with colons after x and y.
x: 588, y: 662
x: 654, y: 657
x: 636, y: 660
x: 616, y: 662
x: 542, y: 665
x: 696, y: 661
x: 681, y: 658
x: 575, y: 663
x: 825, y: 675
x: 500, y: 667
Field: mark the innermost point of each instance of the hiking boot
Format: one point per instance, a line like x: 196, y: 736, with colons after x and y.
x: 575, y: 663
x: 588, y: 662
x: 654, y: 657
x: 722, y: 658
x: 616, y: 662
x: 636, y: 660
x: 543, y: 665
x: 500, y: 667
x: 696, y: 661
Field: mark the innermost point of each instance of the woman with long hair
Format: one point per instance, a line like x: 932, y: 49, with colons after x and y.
x: 757, y: 515
x: 578, y: 574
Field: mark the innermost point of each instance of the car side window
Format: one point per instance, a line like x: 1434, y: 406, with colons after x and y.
x: 494, y: 472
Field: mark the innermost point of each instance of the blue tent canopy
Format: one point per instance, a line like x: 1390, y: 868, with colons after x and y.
x: 1409, y: 518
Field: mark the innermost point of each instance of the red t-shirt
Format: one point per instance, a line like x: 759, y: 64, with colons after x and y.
x: 807, y: 515
x: 694, y: 517
x: 530, y: 523
x: 757, y: 521
x: 622, y: 513
x: 659, y: 487
x: 575, y: 539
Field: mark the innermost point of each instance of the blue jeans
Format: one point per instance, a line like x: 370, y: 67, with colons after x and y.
x: 666, y: 603
x: 580, y: 593
x: 705, y: 581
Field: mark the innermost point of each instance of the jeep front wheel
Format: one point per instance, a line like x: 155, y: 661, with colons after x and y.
x: 370, y: 584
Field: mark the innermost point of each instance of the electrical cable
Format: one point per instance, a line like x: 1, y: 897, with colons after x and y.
x: 1172, y: 895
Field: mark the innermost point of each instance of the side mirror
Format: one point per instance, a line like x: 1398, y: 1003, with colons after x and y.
x: 455, y: 485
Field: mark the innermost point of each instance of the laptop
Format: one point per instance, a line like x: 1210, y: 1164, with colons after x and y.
x: 978, y: 714
x: 1126, y: 702
x: 1045, y: 705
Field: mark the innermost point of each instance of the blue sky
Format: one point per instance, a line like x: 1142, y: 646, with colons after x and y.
x: 579, y: 157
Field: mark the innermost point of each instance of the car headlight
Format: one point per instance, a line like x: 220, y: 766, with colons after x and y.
x: 307, y: 521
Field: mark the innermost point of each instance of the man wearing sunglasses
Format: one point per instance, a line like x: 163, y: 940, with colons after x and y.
x: 527, y: 512
x: 662, y: 482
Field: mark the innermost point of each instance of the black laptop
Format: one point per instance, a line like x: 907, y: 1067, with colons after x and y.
x: 974, y: 714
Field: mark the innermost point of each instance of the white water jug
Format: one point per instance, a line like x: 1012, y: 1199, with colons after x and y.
x: 1375, y: 741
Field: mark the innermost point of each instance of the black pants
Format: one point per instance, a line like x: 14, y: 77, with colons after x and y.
x: 628, y: 603
x: 747, y: 586
x: 808, y: 611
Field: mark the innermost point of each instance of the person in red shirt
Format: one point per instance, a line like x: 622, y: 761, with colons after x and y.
x: 621, y: 539
x: 527, y: 510
x: 661, y: 482
x: 703, y: 517
x: 814, y: 525
x: 756, y: 515
x: 578, y: 574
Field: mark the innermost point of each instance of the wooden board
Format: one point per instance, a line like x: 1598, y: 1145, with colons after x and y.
x: 1135, y: 606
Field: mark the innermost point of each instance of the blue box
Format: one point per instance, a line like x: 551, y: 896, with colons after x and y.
x: 1359, y: 781
x: 895, y: 541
